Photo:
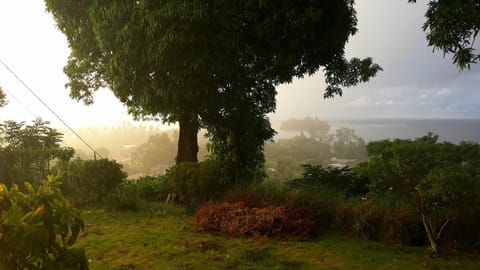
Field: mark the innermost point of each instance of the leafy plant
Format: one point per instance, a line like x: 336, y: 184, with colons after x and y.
x: 152, y: 188
x: 341, y: 180
x: 134, y: 195
x: 38, y: 228
x: 440, y: 180
x: 27, y: 151
x: 89, y: 181
x: 195, y: 183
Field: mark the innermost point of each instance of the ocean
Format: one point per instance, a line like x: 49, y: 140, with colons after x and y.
x: 451, y: 130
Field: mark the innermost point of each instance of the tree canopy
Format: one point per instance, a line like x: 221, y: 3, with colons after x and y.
x: 452, y: 27
x: 207, y: 63
x: 438, y: 178
x: 26, y: 151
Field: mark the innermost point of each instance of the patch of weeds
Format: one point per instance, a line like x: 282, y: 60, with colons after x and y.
x: 168, y: 210
x: 287, y: 264
x: 127, y: 267
x: 256, y: 254
x: 210, y: 245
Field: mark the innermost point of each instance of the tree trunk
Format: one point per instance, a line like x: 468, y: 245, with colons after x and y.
x: 430, y: 235
x: 187, y: 139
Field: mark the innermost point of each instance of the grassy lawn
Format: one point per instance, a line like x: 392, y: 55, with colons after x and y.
x: 165, y: 240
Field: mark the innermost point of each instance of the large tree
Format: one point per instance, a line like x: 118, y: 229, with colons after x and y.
x: 452, y: 27
x: 206, y: 62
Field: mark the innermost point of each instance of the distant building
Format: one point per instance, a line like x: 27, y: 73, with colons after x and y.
x: 341, y: 162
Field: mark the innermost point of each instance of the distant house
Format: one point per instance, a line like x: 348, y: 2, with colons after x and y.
x: 341, y: 162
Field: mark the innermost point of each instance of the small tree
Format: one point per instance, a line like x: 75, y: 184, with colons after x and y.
x: 87, y: 181
x: 439, y: 179
x: 27, y: 151
x: 346, y: 144
x: 342, y: 180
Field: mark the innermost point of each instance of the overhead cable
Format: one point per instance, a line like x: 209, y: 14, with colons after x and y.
x: 50, y: 109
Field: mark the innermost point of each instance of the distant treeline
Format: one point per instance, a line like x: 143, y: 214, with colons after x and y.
x: 147, y: 150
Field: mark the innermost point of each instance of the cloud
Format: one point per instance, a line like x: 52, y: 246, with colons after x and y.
x: 443, y: 92
x: 360, y: 102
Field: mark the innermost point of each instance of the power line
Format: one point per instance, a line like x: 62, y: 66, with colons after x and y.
x: 50, y: 109
x: 21, y: 103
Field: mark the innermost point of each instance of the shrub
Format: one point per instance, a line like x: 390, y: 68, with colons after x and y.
x: 38, y: 229
x: 195, y: 183
x: 89, y: 181
x: 372, y: 220
x: 124, y: 198
x: 152, y: 188
x: 463, y: 233
x: 321, y: 206
x: 134, y: 195
x: 341, y: 180
x: 269, y: 192
x: 441, y: 180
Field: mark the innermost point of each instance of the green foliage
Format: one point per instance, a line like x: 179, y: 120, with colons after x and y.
x: 153, y: 188
x: 134, y: 195
x: 27, y: 151
x: 452, y: 27
x: 285, y: 156
x: 89, y: 181
x: 238, y: 147
x: 268, y: 192
x: 38, y: 228
x: 347, y: 144
x: 374, y: 220
x: 439, y: 179
x: 315, y: 128
x: 3, y: 98
x: 320, y: 207
x: 125, y: 197
x: 195, y: 183
x: 157, y: 151
x: 210, y: 64
x: 341, y: 180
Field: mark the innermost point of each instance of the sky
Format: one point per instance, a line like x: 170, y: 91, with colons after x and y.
x: 415, y: 83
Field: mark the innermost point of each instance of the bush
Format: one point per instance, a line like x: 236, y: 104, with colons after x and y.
x: 463, y: 233
x: 269, y: 192
x: 373, y: 219
x: 134, y: 195
x: 195, y: 183
x: 441, y: 180
x: 341, y: 180
x: 38, y: 229
x: 321, y: 206
x: 152, y: 188
x: 89, y: 181
x: 124, y: 198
